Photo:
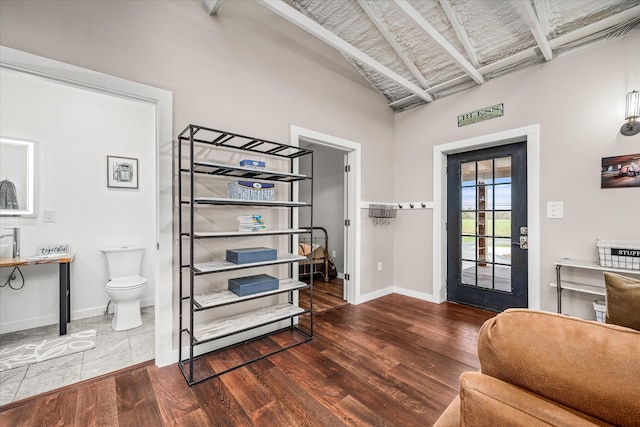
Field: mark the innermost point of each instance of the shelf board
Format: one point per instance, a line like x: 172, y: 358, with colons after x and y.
x: 581, y: 287
x: 224, y: 139
x: 230, y: 325
x: 592, y: 265
x: 225, y: 296
x: 220, y: 265
x: 218, y: 169
x: 240, y: 202
x: 212, y: 234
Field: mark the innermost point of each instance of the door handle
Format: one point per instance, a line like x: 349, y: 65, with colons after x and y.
x: 523, y: 243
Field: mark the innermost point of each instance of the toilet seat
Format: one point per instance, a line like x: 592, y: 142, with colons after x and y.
x: 125, y: 283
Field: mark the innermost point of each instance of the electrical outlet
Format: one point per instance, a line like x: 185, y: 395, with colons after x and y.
x: 48, y: 216
x: 333, y: 254
x: 379, y: 266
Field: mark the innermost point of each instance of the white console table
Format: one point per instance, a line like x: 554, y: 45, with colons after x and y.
x: 582, y: 287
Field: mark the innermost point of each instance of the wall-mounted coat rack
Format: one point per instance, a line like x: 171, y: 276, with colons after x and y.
x: 415, y: 205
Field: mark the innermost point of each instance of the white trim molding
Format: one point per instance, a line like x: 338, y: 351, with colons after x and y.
x: 353, y: 150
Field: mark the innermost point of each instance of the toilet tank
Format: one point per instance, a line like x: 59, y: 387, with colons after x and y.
x: 124, y: 261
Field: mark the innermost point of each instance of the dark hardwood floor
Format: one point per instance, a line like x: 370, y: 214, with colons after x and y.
x: 393, y: 361
x: 326, y: 295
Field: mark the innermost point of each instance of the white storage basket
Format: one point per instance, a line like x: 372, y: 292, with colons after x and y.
x: 619, y: 253
x: 600, y: 308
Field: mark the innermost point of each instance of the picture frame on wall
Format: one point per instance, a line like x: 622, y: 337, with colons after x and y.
x: 620, y: 171
x: 122, y: 172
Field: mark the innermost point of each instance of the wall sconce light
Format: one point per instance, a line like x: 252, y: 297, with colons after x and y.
x: 631, y: 114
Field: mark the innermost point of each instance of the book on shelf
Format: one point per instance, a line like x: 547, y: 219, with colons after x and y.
x: 251, y: 223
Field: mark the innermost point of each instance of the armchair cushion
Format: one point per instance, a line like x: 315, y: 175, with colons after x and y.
x: 487, y: 402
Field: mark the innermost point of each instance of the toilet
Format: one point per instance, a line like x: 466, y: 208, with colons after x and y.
x: 125, y: 286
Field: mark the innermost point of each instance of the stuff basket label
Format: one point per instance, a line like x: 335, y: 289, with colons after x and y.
x: 626, y: 252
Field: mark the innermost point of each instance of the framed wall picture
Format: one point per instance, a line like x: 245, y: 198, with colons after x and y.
x: 122, y: 172
x: 620, y: 171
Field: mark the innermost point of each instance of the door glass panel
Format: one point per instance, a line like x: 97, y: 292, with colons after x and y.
x: 484, y: 223
x: 485, y: 276
x: 502, y: 280
x: 484, y: 197
x: 468, y: 174
x: 469, y: 199
x: 503, y: 197
x: 503, y: 170
x: 468, y: 273
x: 469, y: 251
x: 502, y: 224
x: 485, y: 172
x: 485, y: 188
x: 468, y: 223
x: 502, y: 251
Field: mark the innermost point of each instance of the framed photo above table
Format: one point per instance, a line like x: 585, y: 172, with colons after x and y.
x: 122, y: 172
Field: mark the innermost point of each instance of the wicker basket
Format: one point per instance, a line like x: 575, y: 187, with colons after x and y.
x: 619, y: 253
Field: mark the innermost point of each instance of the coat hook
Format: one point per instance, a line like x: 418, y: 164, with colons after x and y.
x: 411, y: 205
x: 423, y: 205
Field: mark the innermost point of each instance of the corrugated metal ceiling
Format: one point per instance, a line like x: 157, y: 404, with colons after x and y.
x: 416, y: 51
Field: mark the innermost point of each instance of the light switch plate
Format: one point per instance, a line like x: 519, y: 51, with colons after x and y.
x: 555, y: 210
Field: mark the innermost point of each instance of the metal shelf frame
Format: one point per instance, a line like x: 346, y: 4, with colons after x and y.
x: 196, y: 331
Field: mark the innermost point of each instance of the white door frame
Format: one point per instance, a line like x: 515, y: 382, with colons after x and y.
x: 163, y: 101
x: 440, y: 153
x: 352, y: 250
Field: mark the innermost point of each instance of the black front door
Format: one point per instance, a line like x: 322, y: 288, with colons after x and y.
x: 487, y: 227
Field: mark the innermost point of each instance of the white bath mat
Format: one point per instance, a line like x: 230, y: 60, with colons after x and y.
x: 15, y: 356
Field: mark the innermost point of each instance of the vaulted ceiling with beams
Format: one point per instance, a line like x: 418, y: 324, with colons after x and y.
x: 416, y: 51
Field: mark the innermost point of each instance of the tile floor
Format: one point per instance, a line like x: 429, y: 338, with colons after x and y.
x: 113, y: 351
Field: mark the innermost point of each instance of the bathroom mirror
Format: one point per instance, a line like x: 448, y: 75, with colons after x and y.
x: 17, y: 177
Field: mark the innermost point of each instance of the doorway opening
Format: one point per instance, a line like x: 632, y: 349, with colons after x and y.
x: 162, y: 203
x: 336, y: 195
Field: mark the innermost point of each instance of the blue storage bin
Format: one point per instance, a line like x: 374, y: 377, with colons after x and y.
x: 247, y: 255
x: 255, y: 164
x: 243, y: 286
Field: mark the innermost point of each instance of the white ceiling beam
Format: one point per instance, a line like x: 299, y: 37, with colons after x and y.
x: 460, y: 32
x: 328, y: 37
x: 212, y: 6
x: 432, y: 33
x: 596, y: 27
x: 556, y: 43
x: 543, y: 18
x: 393, y: 43
x: 525, y: 9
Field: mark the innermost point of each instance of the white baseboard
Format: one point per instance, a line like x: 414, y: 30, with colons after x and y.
x: 376, y: 294
x: 52, y: 319
x: 415, y: 294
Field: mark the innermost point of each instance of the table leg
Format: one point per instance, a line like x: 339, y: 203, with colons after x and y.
x: 65, y: 296
x: 559, y: 287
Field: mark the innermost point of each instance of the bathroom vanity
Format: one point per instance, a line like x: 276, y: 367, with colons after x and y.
x: 64, y: 281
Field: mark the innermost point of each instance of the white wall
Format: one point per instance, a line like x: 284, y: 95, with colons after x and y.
x: 578, y: 101
x: 245, y: 70
x: 75, y: 130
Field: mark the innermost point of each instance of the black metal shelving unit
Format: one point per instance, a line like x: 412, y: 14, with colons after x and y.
x: 193, y: 164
